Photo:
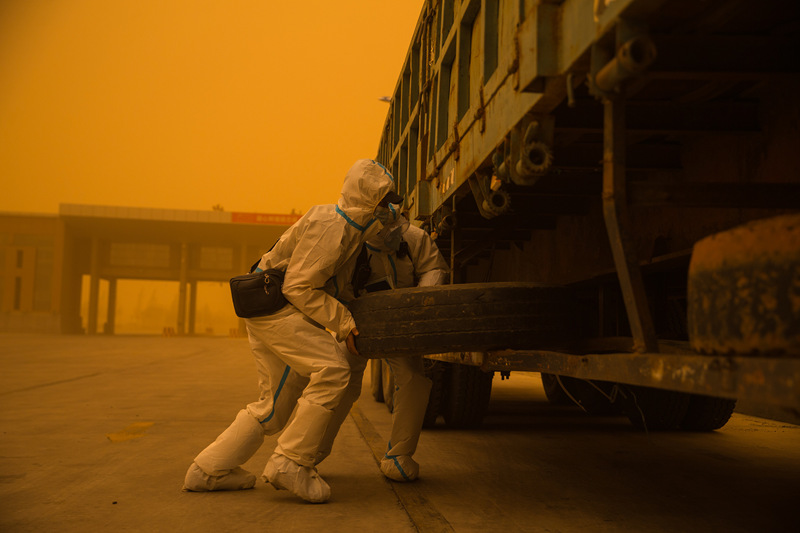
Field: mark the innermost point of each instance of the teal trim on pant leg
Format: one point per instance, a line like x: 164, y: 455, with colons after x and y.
x: 277, y: 392
x: 396, y: 463
x: 400, y: 468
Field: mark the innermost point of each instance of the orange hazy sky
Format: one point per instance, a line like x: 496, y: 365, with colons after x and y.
x: 255, y: 105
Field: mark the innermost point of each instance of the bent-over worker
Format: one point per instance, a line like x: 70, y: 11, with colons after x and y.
x: 295, y: 355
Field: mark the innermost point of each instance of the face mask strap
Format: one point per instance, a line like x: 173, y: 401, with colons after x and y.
x: 382, y: 214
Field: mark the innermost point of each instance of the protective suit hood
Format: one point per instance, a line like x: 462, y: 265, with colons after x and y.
x: 365, y: 185
x: 318, y: 253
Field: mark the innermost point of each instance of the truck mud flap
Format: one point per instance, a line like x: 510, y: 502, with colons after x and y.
x: 744, y: 290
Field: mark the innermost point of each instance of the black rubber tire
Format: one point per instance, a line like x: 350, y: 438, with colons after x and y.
x: 467, y: 398
x: 468, y: 317
x: 553, y: 390
x: 707, y: 413
x: 655, y: 409
x: 588, y: 398
x: 387, y: 382
x: 376, y: 379
x: 435, y: 371
x: 744, y: 285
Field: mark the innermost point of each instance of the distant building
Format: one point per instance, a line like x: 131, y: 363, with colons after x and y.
x: 44, y: 259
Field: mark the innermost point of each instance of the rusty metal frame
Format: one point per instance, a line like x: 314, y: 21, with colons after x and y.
x: 615, y: 213
x: 767, y: 380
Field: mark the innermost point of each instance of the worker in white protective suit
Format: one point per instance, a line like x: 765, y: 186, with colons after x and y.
x: 401, y: 255
x: 299, y: 363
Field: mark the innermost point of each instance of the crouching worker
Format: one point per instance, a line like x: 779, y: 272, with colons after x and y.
x: 299, y: 363
x: 400, y: 256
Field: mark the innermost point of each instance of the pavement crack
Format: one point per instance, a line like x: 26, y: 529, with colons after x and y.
x: 50, y: 383
x: 422, y: 513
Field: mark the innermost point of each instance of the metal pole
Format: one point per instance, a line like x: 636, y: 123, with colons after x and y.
x: 94, y: 287
x: 192, y: 305
x: 615, y: 212
x: 182, y: 281
x: 111, y: 321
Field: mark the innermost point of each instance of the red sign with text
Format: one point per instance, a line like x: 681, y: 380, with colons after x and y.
x: 264, y: 218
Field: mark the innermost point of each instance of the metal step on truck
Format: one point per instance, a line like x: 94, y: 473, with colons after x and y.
x: 616, y: 187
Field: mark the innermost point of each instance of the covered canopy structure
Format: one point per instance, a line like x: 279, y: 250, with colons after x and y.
x: 44, y: 273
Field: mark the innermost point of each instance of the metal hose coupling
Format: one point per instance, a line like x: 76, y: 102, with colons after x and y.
x: 535, y: 157
x: 632, y: 59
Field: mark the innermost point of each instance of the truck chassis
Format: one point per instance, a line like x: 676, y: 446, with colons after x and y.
x: 592, y: 144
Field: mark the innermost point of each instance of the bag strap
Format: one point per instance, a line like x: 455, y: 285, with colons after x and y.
x: 277, y: 274
x: 255, y: 265
x: 361, y: 271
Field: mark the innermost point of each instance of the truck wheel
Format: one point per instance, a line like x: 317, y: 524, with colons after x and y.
x: 707, y: 413
x: 388, y: 387
x: 468, y: 393
x: 655, y: 409
x: 435, y: 371
x: 552, y: 389
x: 585, y: 394
x: 376, y: 379
x: 467, y: 317
x: 744, y: 285
x: 591, y: 400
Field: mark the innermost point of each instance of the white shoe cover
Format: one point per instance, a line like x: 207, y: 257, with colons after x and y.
x: 400, y: 468
x: 237, y: 479
x: 302, y: 481
x: 321, y: 456
x: 234, y: 446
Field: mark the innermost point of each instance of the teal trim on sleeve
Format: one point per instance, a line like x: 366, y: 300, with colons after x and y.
x: 352, y: 222
x: 394, y: 270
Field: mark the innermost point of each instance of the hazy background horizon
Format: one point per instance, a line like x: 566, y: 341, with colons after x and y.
x: 245, y: 106
x: 148, y: 307
x: 191, y: 105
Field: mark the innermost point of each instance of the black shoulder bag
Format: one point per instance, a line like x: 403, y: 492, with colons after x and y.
x: 258, y: 293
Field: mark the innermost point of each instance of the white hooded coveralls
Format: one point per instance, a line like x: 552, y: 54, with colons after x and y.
x: 424, y: 266
x: 295, y: 355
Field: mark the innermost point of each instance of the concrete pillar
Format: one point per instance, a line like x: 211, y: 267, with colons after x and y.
x: 94, y: 287
x: 182, y: 281
x: 244, y: 265
x: 112, y: 306
x: 192, y: 305
x: 244, y: 261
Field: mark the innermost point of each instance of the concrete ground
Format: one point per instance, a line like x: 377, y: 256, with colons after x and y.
x: 97, y: 433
